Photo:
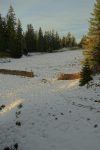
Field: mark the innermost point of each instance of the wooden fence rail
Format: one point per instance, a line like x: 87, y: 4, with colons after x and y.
x: 17, y: 72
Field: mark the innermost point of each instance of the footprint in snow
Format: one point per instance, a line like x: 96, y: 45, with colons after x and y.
x: 2, y: 107
x: 62, y: 114
x: 44, y: 81
x: 95, y: 126
x: 56, y: 118
x: 20, y: 106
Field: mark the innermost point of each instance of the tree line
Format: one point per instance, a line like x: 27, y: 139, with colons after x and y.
x: 14, y: 42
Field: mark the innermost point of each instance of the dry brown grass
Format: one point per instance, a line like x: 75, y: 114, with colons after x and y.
x: 71, y: 76
x: 17, y: 72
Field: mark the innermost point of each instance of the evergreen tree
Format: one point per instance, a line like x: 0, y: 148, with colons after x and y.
x: 92, y: 44
x: 1, y: 34
x: 19, y: 37
x: 25, y: 50
x: 73, y: 42
x: 85, y: 75
x: 3, y: 40
x: 30, y: 38
x: 40, y: 42
x: 63, y: 42
x: 68, y: 40
x: 52, y: 41
x: 46, y: 42
x: 57, y: 41
x: 11, y: 32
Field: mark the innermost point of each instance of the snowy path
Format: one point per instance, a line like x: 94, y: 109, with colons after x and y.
x: 54, y: 115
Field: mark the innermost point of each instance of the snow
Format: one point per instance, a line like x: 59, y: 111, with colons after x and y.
x: 54, y: 115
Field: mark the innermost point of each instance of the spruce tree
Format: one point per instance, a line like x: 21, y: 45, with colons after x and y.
x: 57, y: 41
x: 85, y: 75
x: 73, y: 42
x: 19, y: 38
x: 30, y: 38
x: 40, y: 42
x: 63, y: 42
x: 68, y: 40
x: 52, y: 41
x: 1, y: 34
x: 3, y: 37
x: 11, y: 32
x: 25, y: 50
x: 46, y: 42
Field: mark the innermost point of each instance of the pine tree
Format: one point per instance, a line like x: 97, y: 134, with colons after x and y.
x: 85, y: 75
x: 92, y: 44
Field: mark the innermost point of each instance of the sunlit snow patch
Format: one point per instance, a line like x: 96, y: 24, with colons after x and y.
x: 11, y: 106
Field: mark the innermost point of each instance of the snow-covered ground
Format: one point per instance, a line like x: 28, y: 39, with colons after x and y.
x: 50, y: 114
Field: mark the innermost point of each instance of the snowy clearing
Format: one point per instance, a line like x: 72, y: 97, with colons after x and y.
x: 42, y: 113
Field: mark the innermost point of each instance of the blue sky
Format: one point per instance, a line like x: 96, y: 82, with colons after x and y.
x: 61, y: 15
